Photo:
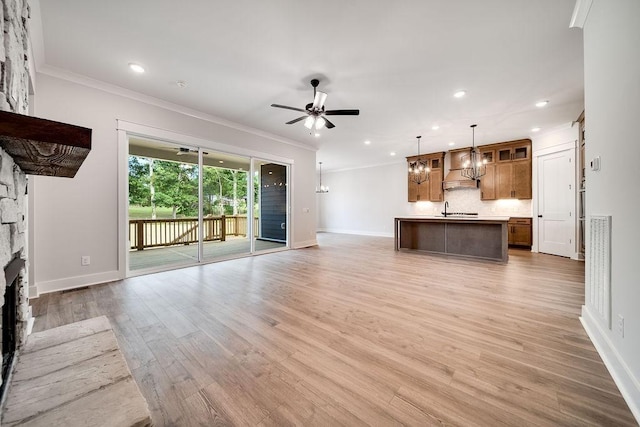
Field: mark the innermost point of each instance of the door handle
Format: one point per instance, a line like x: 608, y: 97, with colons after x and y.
x: 539, y: 216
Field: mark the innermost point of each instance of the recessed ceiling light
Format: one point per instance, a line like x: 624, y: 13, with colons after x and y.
x: 535, y: 129
x: 136, y: 68
x: 435, y: 127
x: 317, y: 135
x: 393, y: 153
x: 451, y: 144
x: 541, y: 104
x: 367, y: 142
x: 460, y: 94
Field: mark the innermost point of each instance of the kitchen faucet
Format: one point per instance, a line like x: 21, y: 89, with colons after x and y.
x: 446, y: 205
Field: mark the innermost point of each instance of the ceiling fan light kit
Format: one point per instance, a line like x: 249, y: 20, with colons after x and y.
x: 315, y: 111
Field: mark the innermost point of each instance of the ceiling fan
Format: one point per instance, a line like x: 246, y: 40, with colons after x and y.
x: 315, y: 113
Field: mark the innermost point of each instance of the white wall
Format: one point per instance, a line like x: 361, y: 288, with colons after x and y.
x: 612, y: 108
x: 79, y: 216
x: 365, y: 201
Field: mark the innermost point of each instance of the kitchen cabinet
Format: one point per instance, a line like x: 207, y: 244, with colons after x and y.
x: 513, y: 180
x: 520, y: 231
x: 510, y: 176
x: 488, y: 183
x: 430, y: 190
x: 488, y: 155
x: 514, y: 151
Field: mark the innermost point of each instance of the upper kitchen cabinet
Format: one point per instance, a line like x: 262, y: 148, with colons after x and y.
x: 430, y: 190
x: 435, y: 180
x: 510, y: 176
x: 488, y: 183
x: 514, y: 151
x: 513, y: 180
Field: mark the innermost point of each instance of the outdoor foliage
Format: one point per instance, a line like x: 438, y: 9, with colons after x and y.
x: 159, y: 183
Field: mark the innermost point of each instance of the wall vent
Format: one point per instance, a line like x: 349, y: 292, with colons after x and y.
x: 599, y: 259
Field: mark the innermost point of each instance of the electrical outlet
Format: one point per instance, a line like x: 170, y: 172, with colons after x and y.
x: 621, y: 325
x: 85, y: 260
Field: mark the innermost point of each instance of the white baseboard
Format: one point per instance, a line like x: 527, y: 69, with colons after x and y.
x: 77, y: 282
x: 33, y: 291
x: 358, y: 232
x: 305, y: 244
x: 628, y: 385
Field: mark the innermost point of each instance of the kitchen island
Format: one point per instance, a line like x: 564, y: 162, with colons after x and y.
x: 465, y: 236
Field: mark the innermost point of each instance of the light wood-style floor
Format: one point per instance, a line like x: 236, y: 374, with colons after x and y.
x: 353, y: 333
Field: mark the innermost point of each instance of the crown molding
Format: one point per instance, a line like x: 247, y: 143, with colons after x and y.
x: 157, y: 102
x: 377, y: 165
x: 580, y: 13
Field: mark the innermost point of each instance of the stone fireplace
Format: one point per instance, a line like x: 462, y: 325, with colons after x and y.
x: 13, y: 281
x: 28, y: 145
x: 14, y: 97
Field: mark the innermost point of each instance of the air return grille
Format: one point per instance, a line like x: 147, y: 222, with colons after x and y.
x: 599, y: 257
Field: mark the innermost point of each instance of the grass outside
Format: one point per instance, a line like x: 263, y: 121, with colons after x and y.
x: 144, y: 212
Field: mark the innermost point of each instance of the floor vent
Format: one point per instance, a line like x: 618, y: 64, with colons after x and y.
x: 599, y: 260
x: 82, y: 288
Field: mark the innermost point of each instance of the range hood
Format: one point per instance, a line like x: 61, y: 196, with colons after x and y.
x: 44, y: 147
x: 454, y: 180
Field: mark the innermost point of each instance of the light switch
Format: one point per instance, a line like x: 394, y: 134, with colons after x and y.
x: 595, y: 163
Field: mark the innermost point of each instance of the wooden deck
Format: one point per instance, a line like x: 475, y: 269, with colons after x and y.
x: 188, y: 254
x: 353, y: 333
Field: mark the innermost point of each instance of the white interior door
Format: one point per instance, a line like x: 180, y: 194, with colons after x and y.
x: 556, y: 203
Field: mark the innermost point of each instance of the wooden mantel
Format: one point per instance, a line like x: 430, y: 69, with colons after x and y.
x: 44, y: 147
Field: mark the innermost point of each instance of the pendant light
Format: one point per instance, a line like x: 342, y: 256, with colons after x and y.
x: 322, y: 188
x: 419, y: 169
x: 474, y: 166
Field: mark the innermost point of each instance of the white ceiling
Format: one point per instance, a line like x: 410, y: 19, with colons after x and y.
x: 399, y: 62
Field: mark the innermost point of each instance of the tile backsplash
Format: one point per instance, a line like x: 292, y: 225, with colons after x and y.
x: 468, y: 200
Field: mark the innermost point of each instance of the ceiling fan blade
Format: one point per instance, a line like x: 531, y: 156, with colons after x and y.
x: 288, y: 108
x: 296, y: 120
x: 318, y: 101
x: 328, y: 124
x: 342, y: 112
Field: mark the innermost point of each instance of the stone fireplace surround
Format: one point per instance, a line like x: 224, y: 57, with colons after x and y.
x: 13, y: 184
x: 14, y: 97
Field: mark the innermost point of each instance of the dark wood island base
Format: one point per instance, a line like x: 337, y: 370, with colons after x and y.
x: 477, y: 237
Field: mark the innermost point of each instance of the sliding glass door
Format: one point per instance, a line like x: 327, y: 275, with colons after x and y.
x: 190, y: 204
x: 163, y: 204
x: 225, y: 203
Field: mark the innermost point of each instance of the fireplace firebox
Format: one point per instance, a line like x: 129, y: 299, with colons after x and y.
x: 9, y: 317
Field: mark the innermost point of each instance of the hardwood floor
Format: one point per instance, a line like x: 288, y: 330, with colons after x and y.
x: 353, y: 333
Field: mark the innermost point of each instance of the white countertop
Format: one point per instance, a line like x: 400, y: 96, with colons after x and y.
x: 456, y: 217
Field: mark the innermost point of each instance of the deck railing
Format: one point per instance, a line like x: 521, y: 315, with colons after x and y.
x: 151, y: 233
